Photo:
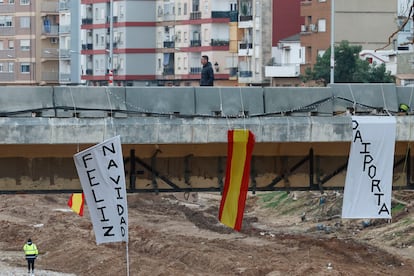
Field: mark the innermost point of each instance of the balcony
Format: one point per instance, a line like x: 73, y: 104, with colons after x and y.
x: 64, y: 53
x: 245, y: 74
x: 49, y: 7
x: 219, y: 42
x: 87, y: 21
x: 195, y: 70
x: 64, y: 77
x: 233, y: 72
x: 195, y: 43
x: 245, y: 49
x: 232, y: 15
x: 282, y: 71
x: 169, y: 44
x: 50, y: 76
x: 88, y: 46
x: 195, y: 15
x: 64, y: 5
x: 50, y: 30
x: 168, y: 71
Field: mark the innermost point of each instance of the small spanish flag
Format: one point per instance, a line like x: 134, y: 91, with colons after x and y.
x: 239, y: 154
x: 76, y: 202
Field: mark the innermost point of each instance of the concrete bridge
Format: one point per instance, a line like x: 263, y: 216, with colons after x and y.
x: 175, y: 139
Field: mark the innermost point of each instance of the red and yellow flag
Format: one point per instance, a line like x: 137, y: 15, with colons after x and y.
x: 76, y: 203
x: 239, y: 154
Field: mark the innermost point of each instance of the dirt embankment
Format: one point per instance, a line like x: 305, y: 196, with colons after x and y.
x: 282, y: 234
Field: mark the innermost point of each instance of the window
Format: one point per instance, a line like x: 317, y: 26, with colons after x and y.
x: 185, y: 9
x: 11, y: 2
x: 25, y: 22
x: 179, y: 9
x: 24, y: 2
x: 159, y: 63
x: 11, y: 67
x: 1, y: 67
x: 25, y: 68
x: 25, y: 45
x: 206, y: 35
x: 1, y: 45
x: 321, y: 53
x: 11, y: 44
x: 322, y: 25
x: 6, y: 21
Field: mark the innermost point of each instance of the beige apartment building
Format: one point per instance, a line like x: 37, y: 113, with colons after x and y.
x: 29, y: 42
x: 367, y: 23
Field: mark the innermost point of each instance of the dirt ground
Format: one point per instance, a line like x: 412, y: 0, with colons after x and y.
x: 179, y: 234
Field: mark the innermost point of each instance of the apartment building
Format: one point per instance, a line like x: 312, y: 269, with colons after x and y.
x: 29, y: 42
x: 403, y: 41
x: 188, y: 29
x: 161, y: 42
x: 367, y: 23
x: 70, y: 58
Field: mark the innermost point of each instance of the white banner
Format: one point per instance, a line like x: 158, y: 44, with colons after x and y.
x: 102, y: 176
x: 368, y: 184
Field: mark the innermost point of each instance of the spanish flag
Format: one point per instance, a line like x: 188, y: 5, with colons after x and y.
x: 239, y: 154
x: 76, y: 202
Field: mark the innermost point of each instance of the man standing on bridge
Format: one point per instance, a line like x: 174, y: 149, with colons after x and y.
x: 207, y: 73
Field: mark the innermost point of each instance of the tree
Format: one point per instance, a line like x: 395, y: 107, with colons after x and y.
x: 348, y: 67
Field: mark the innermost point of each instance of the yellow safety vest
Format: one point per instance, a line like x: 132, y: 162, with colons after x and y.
x: 30, y: 249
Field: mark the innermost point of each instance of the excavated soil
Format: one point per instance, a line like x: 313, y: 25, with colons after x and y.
x: 179, y: 234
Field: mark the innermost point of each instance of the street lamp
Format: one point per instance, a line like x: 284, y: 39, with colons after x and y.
x: 216, y: 66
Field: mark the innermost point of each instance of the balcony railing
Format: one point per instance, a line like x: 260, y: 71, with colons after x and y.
x: 168, y: 71
x: 233, y: 71
x: 50, y: 76
x: 86, y: 21
x: 195, y: 70
x: 195, y: 15
x: 49, y: 6
x: 219, y: 42
x: 244, y: 46
x: 50, y: 29
x: 169, y: 44
x: 246, y: 18
x: 88, y: 46
x: 64, y: 29
x: 64, y: 77
x: 245, y: 74
x: 195, y: 43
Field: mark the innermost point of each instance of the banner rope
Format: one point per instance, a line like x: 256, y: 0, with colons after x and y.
x: 76, y: 118
x: 384, y: 101
x: 107, y: 90
x: 242, y: 106
x: 353, y: 99
x: 409, y: 135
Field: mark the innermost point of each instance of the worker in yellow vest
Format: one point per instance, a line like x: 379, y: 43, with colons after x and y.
x: 30, y: 250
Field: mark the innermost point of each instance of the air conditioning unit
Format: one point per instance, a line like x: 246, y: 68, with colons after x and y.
x: 54, y: 40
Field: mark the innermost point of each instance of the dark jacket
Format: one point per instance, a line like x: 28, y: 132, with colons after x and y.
x: 207, y: 75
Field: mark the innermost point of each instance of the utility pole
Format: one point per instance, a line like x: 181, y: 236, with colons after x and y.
x: 332, y: 41
x: 111, y: 44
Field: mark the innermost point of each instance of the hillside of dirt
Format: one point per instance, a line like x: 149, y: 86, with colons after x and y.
x: 283, y: 233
